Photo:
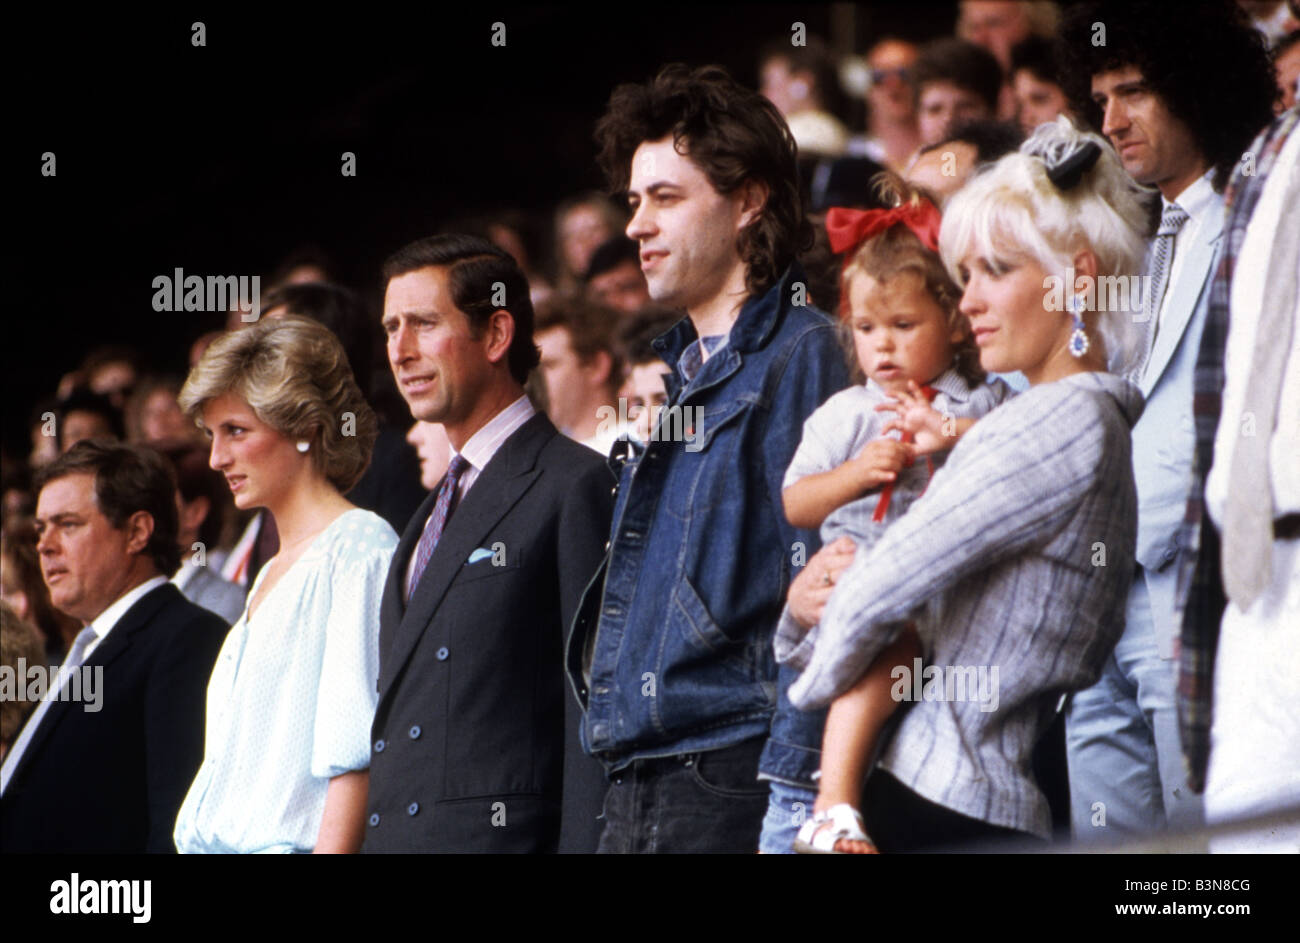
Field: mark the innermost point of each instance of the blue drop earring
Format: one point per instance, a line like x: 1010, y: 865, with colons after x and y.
x: 1078, y: 337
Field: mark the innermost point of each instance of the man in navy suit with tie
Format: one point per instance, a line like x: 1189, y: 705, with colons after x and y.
x: 108, y: 775
x: 469, y: 739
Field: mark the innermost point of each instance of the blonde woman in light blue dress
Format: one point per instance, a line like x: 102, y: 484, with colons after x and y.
x: 293, y: 693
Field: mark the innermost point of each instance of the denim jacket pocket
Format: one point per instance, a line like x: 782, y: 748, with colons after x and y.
x: 713, y: 436
x: 717, y: 666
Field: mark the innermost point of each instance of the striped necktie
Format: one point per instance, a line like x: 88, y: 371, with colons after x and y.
x: 442, y: 506
x: 1162, y: 255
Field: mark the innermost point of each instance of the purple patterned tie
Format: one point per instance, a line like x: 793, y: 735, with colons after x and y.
x: 437, y: 520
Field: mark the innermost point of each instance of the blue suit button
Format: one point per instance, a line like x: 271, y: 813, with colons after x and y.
x: 443, y: 653
x: 379, y: 746
x: 415, y: 733
x: 374, y: 819
x: 413, y: 808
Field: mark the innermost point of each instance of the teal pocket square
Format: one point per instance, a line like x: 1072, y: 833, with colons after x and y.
x: 482, y: 553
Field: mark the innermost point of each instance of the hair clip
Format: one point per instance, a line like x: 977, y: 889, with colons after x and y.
x: 1067, y: 174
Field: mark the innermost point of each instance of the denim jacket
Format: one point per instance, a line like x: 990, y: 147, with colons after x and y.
x: 700, y: 553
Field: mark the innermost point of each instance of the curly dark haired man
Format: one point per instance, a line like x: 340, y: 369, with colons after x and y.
x: 1180, y: 93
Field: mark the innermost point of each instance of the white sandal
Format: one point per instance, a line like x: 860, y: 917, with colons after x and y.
x: 846, y: 823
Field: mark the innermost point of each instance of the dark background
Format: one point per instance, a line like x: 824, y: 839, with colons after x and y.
x: 222, y: 159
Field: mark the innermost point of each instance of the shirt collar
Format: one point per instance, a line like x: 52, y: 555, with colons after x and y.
x: 693, y: 356
x: 1198, y: 200
x: 482, y: 445
x: 103, y: 623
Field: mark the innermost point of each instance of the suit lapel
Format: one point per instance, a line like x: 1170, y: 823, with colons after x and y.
x: 106, y: 652
x: 507, y: 477
x: 391, y: 606
x: 1193, y: 282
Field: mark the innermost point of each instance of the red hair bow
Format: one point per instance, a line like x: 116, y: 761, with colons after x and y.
x: 848, y: 229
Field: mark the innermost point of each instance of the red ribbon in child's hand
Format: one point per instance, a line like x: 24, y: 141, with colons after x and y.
x: 848, y: 229
x: 882, y: 505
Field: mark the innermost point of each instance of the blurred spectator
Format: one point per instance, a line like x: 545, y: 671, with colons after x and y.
x: 302, y: 266
x: 614, y: 277
x: 892, y: 136
x: 43, y: 427
x: 19, y: 502
x: 581, y: 370
x: 203, y: 505
x: 1272, y: 18
x: 152, y: 413
x: 434, y: 449
x: 997, y: 26
x: 1286, y: 60
x: 643, y: 385
x: 1036, y: 82
x: 582, y: 223
x: 200, y: 345
x: 20, y: 646
x: 112, y: 372
x: 943, y: 168
x: 801, y: 82
x: 955, y: 82
x: 86, y: 415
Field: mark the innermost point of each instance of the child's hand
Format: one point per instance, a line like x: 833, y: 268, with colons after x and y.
x: 880, y: 461
x: 931, y: 430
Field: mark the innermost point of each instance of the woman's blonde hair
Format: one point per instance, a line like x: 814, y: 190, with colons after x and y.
x: 1012, y: 210
x: 897, y: 251
x: 294, y: 375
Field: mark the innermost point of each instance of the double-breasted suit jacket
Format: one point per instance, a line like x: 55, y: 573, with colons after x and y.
x: 468, y: 741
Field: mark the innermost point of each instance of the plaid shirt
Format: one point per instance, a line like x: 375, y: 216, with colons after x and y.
x: 1200, y: 586
x: 1017, y: 559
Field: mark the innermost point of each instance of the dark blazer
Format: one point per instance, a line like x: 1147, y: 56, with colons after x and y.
x: 468, y: 742
x: 113, y: 780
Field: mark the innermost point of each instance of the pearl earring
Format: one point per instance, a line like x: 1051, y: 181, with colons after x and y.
x: 1078, y: 337
x: 304, y: 445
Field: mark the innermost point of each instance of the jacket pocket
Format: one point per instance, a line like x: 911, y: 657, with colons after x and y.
x: 706, y: 475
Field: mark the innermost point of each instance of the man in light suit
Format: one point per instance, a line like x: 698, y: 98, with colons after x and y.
x: 470, y: 742
x: 107, y: 774
x: 1183, y: 137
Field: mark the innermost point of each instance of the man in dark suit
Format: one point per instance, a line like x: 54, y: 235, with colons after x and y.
x: 106, y: 758
x: 469, y: 739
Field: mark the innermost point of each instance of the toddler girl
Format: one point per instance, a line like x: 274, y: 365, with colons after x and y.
x: 857, y: 469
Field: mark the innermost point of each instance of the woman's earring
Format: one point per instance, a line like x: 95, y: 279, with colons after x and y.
x: 304, y: 445
x: 1078, y: 337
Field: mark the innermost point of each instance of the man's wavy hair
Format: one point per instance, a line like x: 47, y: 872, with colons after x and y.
x: 733, y: 134
x: 1204, y: 60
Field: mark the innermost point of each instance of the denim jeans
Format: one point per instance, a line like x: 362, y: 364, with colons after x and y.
x: 1126, y: 764
x: 788, y: 807
x: 691, y: 802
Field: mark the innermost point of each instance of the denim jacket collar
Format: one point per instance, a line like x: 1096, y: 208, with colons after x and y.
x: 754, y: 326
